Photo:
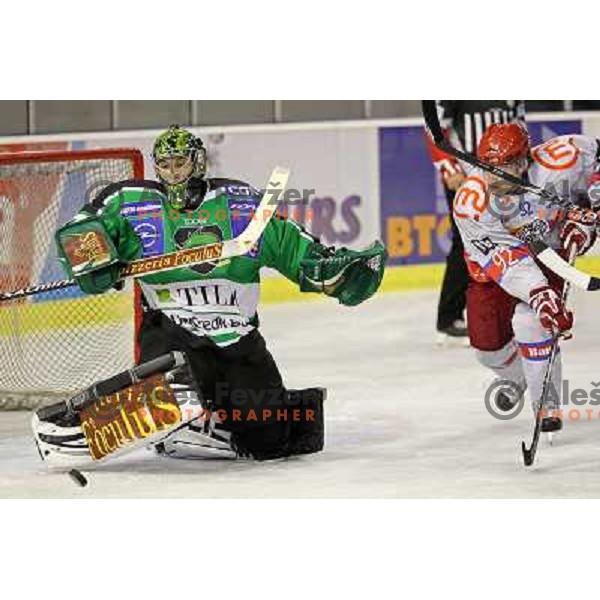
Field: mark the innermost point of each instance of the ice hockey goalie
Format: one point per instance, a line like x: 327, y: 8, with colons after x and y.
x: 158, y: 405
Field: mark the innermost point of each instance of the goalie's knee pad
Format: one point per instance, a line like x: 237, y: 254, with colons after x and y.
x: 297, y: 428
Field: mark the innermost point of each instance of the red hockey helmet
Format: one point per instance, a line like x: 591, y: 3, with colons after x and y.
x: 503, y: 143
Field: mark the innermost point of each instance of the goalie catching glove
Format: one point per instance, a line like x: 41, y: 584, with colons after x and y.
x: 351, y: 276
x: 87, y: 247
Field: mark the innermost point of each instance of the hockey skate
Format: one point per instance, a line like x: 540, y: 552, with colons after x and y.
x: 508, y: 396
x: 505, y: 402
x: 550, y: 425
x: 454, y: 335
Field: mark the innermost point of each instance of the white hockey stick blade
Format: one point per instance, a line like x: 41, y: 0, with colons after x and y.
x: 264, y: 212
x: 562, y: 268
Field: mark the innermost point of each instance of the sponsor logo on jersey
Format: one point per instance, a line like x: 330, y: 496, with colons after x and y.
x: 147, y: 233
x: 536, y: 351
x: 146, y: 218
x: 209, y: 324
x: 247, y: 206
x: 241, y: 190
x: 195, y: 221
x: 207, y: 295
x: 557, y: 154
x: 141, y: 208
x: 187, y: 237
x: 240, y: 216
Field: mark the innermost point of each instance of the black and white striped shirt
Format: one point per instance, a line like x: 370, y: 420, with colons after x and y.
x: 468, y: 119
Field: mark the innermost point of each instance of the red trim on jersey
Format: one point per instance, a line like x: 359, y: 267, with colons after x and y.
x: 476, y: 273
x: 501, y: 261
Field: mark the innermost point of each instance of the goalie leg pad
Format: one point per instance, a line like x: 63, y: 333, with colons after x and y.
x: 203, y: 438
x: 308, y: 432
x: 139, y: 414
x: 298, y: 429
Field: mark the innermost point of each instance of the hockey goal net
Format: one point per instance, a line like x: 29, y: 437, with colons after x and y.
x: 54, y: 344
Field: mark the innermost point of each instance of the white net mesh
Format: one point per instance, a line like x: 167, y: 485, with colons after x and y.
x: 57, y: 343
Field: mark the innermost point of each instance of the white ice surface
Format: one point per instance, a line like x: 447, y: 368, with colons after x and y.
x: 404, y: 419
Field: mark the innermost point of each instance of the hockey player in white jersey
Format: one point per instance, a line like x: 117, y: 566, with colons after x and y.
x: 514, y: 305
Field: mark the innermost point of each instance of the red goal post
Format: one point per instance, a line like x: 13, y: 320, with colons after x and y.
x: 54, y: 344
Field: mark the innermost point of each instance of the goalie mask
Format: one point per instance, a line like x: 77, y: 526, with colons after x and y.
x: 178, y: 157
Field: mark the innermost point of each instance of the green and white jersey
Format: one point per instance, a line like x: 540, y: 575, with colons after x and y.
x: 215, y: 300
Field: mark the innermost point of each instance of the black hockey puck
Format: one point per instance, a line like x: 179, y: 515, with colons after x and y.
x: 78, y: 477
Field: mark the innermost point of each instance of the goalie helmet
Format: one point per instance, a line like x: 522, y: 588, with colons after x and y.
x: 502, y: 144
x: 178, y: 157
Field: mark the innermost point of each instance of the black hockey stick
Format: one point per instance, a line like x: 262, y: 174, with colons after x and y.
x: 537, y: 246
x: 529, y: 453
x: 433, y: 125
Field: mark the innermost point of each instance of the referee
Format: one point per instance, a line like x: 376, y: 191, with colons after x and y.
x: 463, y: 122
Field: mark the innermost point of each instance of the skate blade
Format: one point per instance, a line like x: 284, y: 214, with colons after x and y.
x: 443, y: 340
x: 549, y: 438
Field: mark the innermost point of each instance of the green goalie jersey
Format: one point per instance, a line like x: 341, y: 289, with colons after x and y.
x: 215, y: 300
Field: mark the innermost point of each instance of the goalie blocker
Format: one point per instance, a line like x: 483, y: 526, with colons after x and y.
x: 159, y: 403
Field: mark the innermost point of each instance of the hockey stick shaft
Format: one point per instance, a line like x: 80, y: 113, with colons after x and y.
x: 538, y: 247
x: 529, y: 453
x: 433, y: 125
x: 237, y: 246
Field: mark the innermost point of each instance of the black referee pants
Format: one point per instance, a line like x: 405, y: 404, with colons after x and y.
x: 453, y: 296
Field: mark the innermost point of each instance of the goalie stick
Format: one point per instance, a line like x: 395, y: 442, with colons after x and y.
x: 537, y: 246
x: 529, y: 453
x: 237, y: 246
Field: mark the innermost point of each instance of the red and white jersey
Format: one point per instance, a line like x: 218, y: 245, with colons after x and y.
x: 489, y: 225
x: 566, y: 163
